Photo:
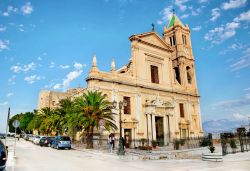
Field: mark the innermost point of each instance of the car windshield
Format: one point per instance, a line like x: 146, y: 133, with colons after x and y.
x: 65, y: 138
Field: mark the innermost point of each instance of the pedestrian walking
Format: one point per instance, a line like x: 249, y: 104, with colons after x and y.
x: 110, y: 143
x: 113, y: 141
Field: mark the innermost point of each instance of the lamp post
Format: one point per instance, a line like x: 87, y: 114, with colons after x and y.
x: 121, y: 105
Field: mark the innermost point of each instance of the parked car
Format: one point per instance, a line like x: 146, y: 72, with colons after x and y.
x: 61, y: 142
x: 36, y: 139
x: 46, y: 141
x: 31, y: 137
x: 2, y: 136
x: 3, y: 156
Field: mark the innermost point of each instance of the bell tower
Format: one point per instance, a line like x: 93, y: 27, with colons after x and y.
x: 177, y: 35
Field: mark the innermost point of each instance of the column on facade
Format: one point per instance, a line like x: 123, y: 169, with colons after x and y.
x: 149, y: 127
x: 153, y: 125
x: 165, y: 128
x: 123, y: 135
x: 133, y: 138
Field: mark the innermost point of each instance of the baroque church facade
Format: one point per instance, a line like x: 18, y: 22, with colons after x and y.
x: 158, y: 84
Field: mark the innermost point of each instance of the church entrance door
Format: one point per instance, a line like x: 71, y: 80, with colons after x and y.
x: 159, y: 130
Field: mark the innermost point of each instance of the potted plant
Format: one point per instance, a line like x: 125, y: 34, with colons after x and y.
x: 182, y: 142
x: 176, y: 144
x: 211, y: 148
x: 143, y: 141
x: 233, y: 145
x: 154, y: 143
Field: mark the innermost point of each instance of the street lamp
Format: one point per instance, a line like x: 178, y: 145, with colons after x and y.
x: 121, y: 104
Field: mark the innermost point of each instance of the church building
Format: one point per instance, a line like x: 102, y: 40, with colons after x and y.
x: 158, y: 84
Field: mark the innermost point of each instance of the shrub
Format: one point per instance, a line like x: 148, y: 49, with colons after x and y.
x: 145, y: 147
x: 211, y: 148
x: 176, y: 144
x: 205, y: 142
x: 143, y: 141
x: 182, y: 141
x: 154, y: 143
x: 232, y: 143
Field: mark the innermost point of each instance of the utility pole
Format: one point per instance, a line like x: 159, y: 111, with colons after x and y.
x: 8, y: 117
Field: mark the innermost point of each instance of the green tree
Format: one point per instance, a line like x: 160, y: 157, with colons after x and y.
x: 94, y: 107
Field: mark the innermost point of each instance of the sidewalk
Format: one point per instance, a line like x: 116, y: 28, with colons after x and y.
x: 11, y: 160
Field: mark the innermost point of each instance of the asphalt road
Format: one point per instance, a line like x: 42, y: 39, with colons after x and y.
x: 31, y: 157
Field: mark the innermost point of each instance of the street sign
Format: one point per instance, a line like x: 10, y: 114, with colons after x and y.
x: 16, y: 123
x: 101, y: 122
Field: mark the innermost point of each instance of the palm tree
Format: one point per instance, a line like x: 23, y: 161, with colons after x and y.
x: 94, y: 107
x: 49, y: 118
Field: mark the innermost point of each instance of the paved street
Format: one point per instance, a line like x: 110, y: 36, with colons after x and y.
x: 31, y: 157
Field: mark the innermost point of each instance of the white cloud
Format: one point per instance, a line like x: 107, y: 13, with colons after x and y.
x: 79, y: 66
x: 39, y: 58
x: 64, y: 66
x: 237, y: 103
x: 215, y: 14
x: 239, y: 116
x: 70, y: 76
x: 245, y: 16
x: 10, y: 94
x: 24, y: 68
x: 219, y: 34
x: 243, y: 61
x: 57, y: 86
x: 197, y: 28
x: 12, y: 79
x: 4, y: 44
x: 2, y: 28
x: 166, y: 15
x: 27, y: 9
x: 9, y: 11
x: 185, y: 16
x: 4, y: 103
x: 33, y: 78
x: 181, y: 4
x: 233, y: 4
x: 52, y: 64
x: 247, y: 89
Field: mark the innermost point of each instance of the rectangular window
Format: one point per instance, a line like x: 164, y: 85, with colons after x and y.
x: 154, y: 74
x: 170, y: 40
x: 181, y: 110
x: 127, y: 108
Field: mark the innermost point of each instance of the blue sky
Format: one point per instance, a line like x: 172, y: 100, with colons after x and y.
x: 47, y: 44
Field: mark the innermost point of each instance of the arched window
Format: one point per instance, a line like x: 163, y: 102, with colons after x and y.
x: 189, y: 77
